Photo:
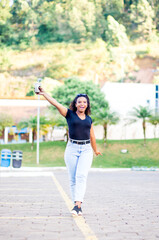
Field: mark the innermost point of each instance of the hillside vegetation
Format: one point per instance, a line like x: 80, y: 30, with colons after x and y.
x: 88, y: 61
x: 92, y: 40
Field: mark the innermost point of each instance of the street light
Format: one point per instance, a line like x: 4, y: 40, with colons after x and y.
x: 37, y: 85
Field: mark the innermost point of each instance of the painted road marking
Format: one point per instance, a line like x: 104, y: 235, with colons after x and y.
x: 25, y: 195
x: 80, y: 221
x: 34, y: 217
x: 21, y: 189
x: 25, y: 203
x: 25, y: 174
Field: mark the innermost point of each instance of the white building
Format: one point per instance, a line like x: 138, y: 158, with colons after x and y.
x: 122, y: 97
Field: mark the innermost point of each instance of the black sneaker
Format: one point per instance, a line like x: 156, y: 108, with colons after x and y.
x: 80, y: 211
x: 76, y: 211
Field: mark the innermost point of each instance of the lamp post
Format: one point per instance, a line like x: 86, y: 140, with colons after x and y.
x: 38, y: 123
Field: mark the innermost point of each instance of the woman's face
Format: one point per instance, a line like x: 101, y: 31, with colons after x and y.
x: 81, y: 104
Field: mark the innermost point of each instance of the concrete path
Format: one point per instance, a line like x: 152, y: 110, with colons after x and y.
x: 118, y: 205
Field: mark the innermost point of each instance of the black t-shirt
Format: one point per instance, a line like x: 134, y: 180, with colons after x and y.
x: 78, y: 129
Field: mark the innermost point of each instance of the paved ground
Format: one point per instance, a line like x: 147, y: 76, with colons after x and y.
x: 118, y: 205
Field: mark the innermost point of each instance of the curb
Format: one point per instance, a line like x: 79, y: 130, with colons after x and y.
x: 51, y: 169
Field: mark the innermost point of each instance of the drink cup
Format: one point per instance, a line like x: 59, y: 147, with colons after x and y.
x: 36, y: 88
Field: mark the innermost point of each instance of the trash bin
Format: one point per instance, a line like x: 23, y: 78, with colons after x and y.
x: 6, y: 156
x: 17, y: 157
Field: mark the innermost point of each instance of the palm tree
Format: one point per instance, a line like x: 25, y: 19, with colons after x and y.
x: 5, y: 121
x: 57, y: 120
x: 143, y: 113
x: 154, y: 120
x: 106, y: 117
x: 32, y: 123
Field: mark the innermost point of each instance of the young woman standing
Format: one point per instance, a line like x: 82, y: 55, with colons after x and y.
x: 78, y: 153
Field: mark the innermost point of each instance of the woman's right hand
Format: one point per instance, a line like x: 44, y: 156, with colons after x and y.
x: 41, y: 91
x: 60, y: 107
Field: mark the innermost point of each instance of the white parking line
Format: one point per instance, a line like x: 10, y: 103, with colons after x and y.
x: 80, y: 221
x: 34, y: 217
x: 25, y: 174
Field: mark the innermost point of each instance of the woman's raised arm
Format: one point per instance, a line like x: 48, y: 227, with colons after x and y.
x: 62, y: 110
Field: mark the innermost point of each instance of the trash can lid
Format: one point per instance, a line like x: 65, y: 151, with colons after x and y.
x: 17, y: 151
x: 6, y: 151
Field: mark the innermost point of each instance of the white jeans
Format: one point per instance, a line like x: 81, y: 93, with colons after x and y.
x: 78, y: 159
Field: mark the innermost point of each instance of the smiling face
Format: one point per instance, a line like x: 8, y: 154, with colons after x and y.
x: 81, y: 104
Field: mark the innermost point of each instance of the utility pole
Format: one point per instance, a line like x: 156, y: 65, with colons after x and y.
x: 38, y: 124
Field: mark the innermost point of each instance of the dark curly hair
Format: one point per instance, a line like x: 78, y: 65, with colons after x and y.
x: 73, y: 104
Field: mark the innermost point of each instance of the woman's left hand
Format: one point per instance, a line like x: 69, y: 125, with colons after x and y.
x: 98, y: 153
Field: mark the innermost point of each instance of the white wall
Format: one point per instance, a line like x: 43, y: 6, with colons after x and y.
x: 122, y: 97
x: 25, y: 103
x: 122, y: 132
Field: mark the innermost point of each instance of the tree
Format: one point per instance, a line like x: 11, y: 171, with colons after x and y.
x: 141, y: 113
x: 4, y: 11
x: 115, y: 33
x: 67, y: 92
x: 154, y: 120
x: 5, y: 121
x: 100, y: 21
x: 106, y: 117
x: 104, y: 8
x: 82, y: 19
x: 142, y: 16
x: 155, y: 6
x: 66, y: 20
x: 48, y: 22
x: 24, y: 21
x: 32, y: 124
x: 5, y: 16
x: 73, y: 86
x: 113, y: 7
x: 57, y: 120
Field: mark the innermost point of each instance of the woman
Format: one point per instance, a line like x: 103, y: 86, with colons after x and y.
x: 78, y: 153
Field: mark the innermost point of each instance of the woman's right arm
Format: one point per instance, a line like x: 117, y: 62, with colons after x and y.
x: 62, y: 110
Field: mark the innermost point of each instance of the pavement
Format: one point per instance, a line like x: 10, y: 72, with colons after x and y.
x: 119, y: 204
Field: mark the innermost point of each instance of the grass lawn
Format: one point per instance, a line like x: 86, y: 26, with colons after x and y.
x: 52, y: 154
